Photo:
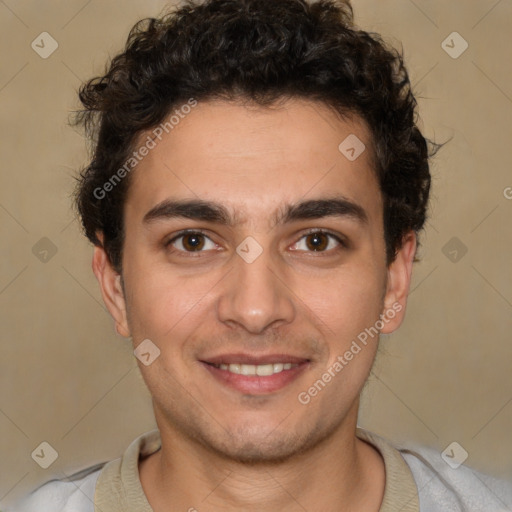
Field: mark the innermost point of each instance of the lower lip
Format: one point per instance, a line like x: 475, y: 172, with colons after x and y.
x: 256, y: 385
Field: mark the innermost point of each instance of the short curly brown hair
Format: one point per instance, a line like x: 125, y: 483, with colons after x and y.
x: 262, y: 51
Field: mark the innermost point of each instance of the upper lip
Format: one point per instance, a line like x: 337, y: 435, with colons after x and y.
x: 254, y: 360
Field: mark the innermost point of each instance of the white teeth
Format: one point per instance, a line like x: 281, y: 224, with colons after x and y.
x: 278, y: 367
x: 247, y: 369
x: 262, y: 370
x: 265, y: 369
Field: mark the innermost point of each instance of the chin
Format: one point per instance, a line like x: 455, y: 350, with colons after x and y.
x: 254, y: 445
x: 253, y: 439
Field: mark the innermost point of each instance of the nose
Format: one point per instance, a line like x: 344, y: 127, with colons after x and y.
x: 255, y: 294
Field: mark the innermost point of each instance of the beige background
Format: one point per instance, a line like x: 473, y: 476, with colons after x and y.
x: 68, y: 379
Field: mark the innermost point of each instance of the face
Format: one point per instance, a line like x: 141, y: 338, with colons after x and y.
x: 254, y: 259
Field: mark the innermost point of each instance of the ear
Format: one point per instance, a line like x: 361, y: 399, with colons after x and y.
x: 111, y: 289
x: 398, y: 283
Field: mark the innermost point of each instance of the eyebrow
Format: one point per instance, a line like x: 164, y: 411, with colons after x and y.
x: 208, y: 211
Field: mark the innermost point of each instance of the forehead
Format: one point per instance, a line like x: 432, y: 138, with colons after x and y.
x: 254, y: 160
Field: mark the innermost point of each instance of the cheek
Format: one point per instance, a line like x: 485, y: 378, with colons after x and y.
x: 345, y: 303
x: 164, y: 305
x: 345, y: 310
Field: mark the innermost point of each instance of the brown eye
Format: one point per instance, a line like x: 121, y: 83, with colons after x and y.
x: 191, y: 241
x: 319, y: 241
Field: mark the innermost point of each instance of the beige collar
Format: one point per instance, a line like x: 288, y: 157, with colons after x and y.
x: 119, y: 489
x: 400, y: 492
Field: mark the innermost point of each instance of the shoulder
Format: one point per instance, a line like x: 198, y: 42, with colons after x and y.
x: 454, y: 487
x: 73, y: 494
x: 439, y: 484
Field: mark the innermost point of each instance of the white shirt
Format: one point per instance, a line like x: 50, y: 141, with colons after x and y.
x: 416, y: 481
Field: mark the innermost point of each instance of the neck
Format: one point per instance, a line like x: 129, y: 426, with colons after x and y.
x: 340, y: 473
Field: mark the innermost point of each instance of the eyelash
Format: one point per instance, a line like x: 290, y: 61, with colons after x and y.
x: 342, y: 243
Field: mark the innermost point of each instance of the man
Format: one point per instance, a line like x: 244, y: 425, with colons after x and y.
x: 255, y: 195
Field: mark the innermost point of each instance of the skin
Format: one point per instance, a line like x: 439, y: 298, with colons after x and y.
x: 223, y: 449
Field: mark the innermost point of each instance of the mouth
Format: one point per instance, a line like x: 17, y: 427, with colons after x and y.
x: 256, y: 375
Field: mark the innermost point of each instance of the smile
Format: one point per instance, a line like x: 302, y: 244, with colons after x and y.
x: 252, y: 375
x: 261, y: 370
